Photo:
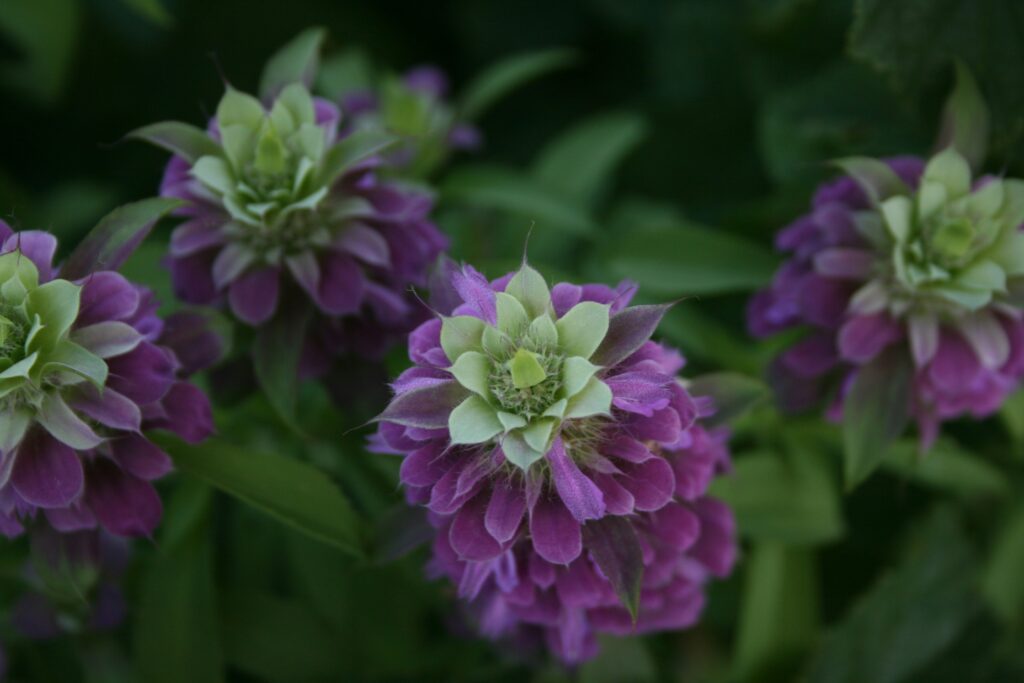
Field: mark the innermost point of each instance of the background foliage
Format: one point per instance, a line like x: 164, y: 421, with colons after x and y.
x: 676, y: 139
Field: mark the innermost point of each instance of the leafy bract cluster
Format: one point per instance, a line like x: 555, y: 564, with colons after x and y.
x: 38, y: 357
x: 950, y: 247
x: 529, y: 373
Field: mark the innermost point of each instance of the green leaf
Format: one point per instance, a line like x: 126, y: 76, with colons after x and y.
x: 582, y: 329
x: 473, y: 421
x: 276, y: 353
x: 732, y: 393
x: 685, y: 259
x: 182, y: 139
x: 791, y: 498
x: 507, y: 190
x: 355, y: 147
x: 616, y: 550
x: 116, y: 236
x: 1001, y: 583
x: 274, y: 639
x: 296, y: 62
x: 946, y: 467
x: 909, y: 616
x: 874, y: 176
x: 151, y: 10
x: 620, y: 660
x: 580, y: 162
x: 914, y: 41
x: 176, y: 633
x: 343, y: 73
x: 779, y: 617
x: 43, y: 33
x: 502, y: 78
x: 288, y: 490
x: 875, y: 413
x: 965, y: 119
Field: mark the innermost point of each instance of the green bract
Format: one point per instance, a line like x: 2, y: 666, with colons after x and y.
x: 270, y: 163
x: 37, y: 357
x: 953, y: 246
x: 530, y: 374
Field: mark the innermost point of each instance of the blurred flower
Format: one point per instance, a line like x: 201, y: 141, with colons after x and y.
x: 277, y: 200
x: 415, y: 108
x: 539, y: 427
x: 910, y: 257
x: 84, y: 371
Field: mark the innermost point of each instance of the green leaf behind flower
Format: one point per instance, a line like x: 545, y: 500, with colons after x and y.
x: 296, y: 62
x: 505, y: 76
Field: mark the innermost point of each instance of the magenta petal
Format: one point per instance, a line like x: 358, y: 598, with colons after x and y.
x: 192, y: 277
x: 253, y: 296
x: 366, y: 244
x: 617, y: 499
x: 505, y: 511
x: 424, y: 466
x: 144, y: 374
x: 123, y: 504
x: 468, y: 534
x: 651, y: 482
x: 106, y: 296
x: 564, y: 296
x: 556, y: 534
x: 863, y: 337
x: 581, y: 496
x: 38, y: 246
x: 47, y: 473
x: 186, y: 412
x: 197, y: 234
x: 108, y: 408
x: 72, y: 518
x: 140, y: 457
x: 477, y: 292
x: 716, y: 545
x: 955, y: 366
x: 676, y: 525
x: 340, y: 289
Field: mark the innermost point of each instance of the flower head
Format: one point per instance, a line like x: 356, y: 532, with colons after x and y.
x: 541, y: 427
x: 84, y: 370
x: 911, y: 256
x: 278, y: 201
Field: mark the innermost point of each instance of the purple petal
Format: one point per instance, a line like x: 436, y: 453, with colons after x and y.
x: 955, y: 365
x: 197, y: 235
x: 640, y: 392
x: 845, y: 264
x: 140, y: 457
x: 306, y: 271
x: 468, y: 534
x: 863, y: 337
x: 341, y: 284
x: 812, y: 356
x: 427, y: 407
x: 123, y: 504
x: 617, y: 499
x: 366, y: 244
x: 505, y: 511
x: 186, y: 412
x: 627, y: 332
x: 424, y: 466
x: 231, y: 262
x: 143, y: 375
x: 676, y: 525
x: 253, y: 296
x: 581, y: 496
x: 556, y: 534
x: 477, y: 292
x: 192, y: 277
x: 716, y: 545
x: 47, y: 473
x: 69, y: 519
x: 651, y: 482
x: 108, y: 408
x: 106, y: 295
x: 38, y: 246
x: 190, y: 336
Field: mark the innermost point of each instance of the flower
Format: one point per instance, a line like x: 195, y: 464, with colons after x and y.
x: 541, y: 427
x: 84, y: 371
x: 277, y: 200
x: 415, y: 108
x: 907, y: 258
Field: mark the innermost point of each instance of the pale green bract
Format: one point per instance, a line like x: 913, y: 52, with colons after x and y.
x: 951, y: 246
x: 530, y: 376
x: 38, y: 358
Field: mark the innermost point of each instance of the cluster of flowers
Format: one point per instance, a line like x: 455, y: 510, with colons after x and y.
x: 909, y: 260
x: 562, y: 462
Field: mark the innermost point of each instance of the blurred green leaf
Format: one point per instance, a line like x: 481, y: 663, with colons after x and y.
x: 1003, y: 578
x: 401, y: 531
x: 176, y: 633
x: 791, y: 498
x: 45, y: 32
x: 621, y: 660
x: 732, y: 393
x: 1012, y: 416
x: 151, y: 10
x: 779, y: 617
x: 343, y: 73
x: 181, y: 139
x: 917, y: 40
x: 686, y: 259
x: 279, y: 640
x: 276, y: 353
x: 947, y: 467
x: 580, y: 162
x: 875, y: 413
x: 965, y: 120
x: 502, y: 78
x: 284, y: 488
x: 909, y: 616
x: 507, y: 190
x: 116, y: 236
x: 296, y: 62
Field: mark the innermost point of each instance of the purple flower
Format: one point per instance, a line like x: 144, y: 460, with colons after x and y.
x: 86, y: 368
x: 279, y: 205
x: 532, y: 417
x: 908, y: 258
